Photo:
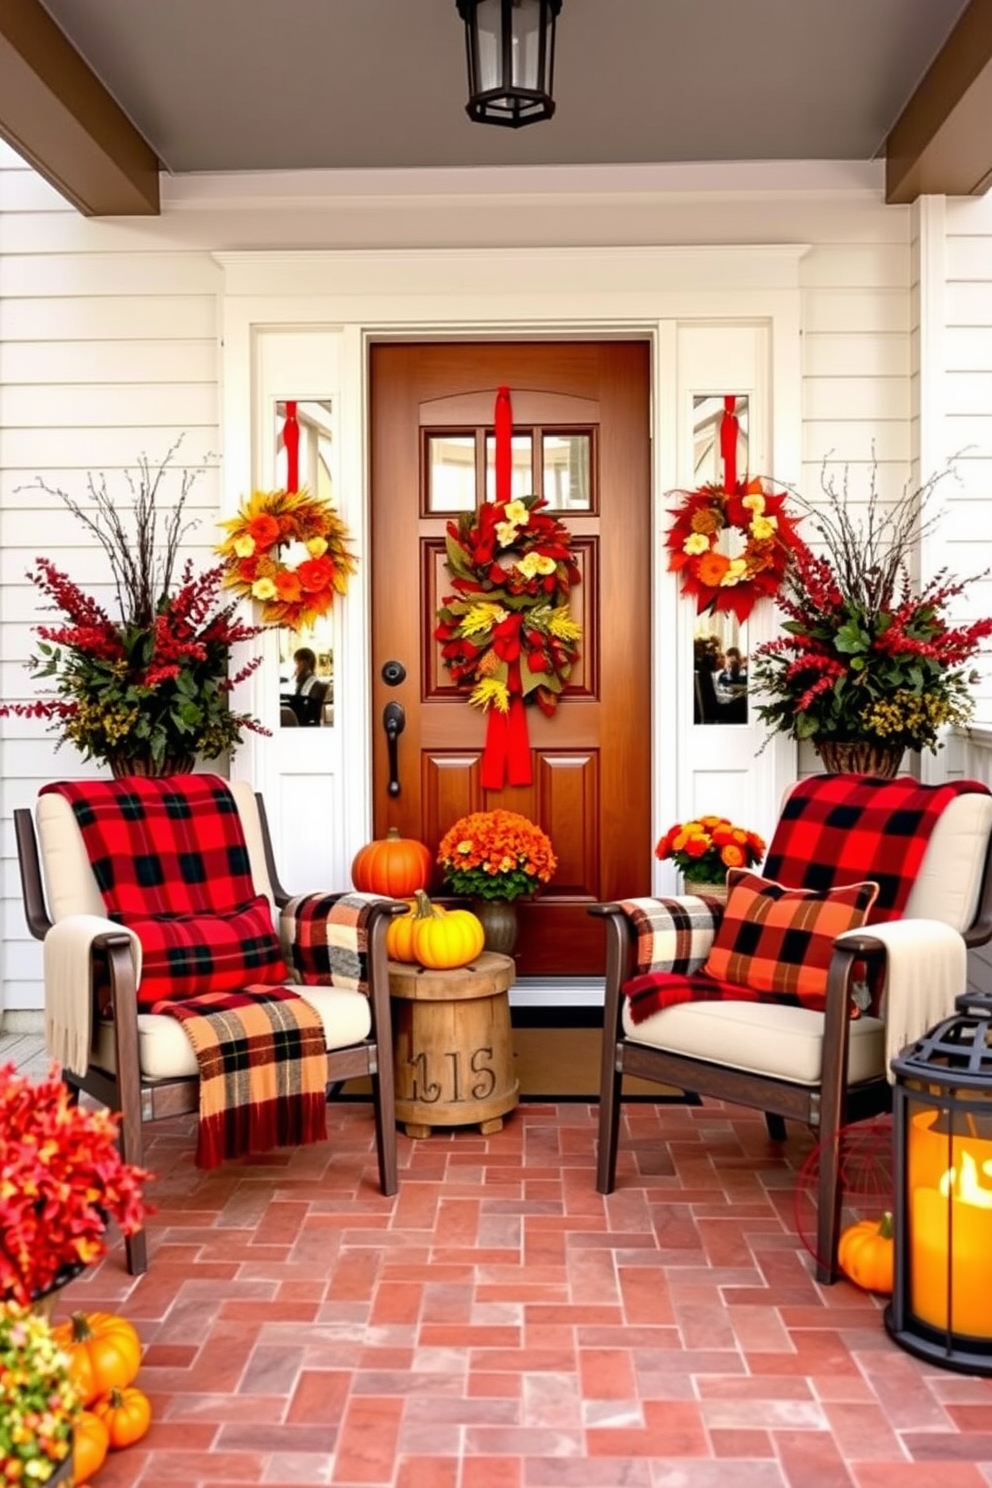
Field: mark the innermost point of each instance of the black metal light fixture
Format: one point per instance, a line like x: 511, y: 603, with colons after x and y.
x: 941, y: 1307
x: 510, y: 46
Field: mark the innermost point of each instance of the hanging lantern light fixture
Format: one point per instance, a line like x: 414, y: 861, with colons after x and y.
x: 510, y: 45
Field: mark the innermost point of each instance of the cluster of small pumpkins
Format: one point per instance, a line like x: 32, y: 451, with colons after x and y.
x: 104, y: 1353
x: 428, y: 934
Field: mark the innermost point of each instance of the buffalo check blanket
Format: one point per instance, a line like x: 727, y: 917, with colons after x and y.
x: 839, y: 829
x: 263, y: 1070
x: 170, y: 858
x: 326, y: 938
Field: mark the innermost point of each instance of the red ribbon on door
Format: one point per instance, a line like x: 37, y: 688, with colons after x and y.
x: 291, y: 439
x: 729, y: 428
x: 506, y: 757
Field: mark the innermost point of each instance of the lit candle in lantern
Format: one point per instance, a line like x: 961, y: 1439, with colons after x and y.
x: 951, y: 1232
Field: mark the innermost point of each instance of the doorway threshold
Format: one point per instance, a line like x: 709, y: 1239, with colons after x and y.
x: 558, y: 992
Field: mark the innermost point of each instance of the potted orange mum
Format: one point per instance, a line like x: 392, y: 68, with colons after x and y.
x: 707, y: 846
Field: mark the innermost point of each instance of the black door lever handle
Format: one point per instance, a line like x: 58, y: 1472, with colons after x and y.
x: 394, y: 722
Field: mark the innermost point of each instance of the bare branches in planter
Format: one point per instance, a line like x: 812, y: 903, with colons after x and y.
x: 870, y: 657
x: 148, y: 691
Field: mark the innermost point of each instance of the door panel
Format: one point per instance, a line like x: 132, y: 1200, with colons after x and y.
x: 591, y: 761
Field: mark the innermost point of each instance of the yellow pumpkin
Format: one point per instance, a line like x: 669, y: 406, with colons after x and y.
x: 399, y: 934
x: 865, y: 1254
x: 442, y: 940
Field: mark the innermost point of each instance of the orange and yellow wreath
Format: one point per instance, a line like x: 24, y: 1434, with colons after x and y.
x: 734, y: 581
x: 298, y: 592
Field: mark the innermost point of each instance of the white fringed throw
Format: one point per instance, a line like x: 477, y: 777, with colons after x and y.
x: 68, y: 967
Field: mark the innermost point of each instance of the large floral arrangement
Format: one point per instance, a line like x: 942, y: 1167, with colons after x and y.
x: 707, y: 846
x: 297, y: 592
x: 755, y: 518
x: 868, y: 656
x: 496, y: 855
x: 154, y: 683
x: 38, y: 1403
x: 61, y: 1179
x: 508, y: 630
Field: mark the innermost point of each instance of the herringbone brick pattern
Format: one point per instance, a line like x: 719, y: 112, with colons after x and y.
x: 499, y: 1324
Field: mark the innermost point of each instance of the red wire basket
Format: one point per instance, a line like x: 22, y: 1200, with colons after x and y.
x: 865, y: 1177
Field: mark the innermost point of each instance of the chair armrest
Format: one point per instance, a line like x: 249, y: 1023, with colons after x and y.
x: 73, y: 953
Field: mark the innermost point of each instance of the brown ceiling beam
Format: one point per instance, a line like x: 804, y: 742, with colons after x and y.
x: 57, y: 114
x: 942, y: 142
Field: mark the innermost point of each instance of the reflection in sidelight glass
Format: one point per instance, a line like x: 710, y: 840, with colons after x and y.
x: 451, y: 472
x: 566, y: 461
x: 522, y: 475
x: 306, y: 676
x: 719, y: 640
x: 301, y: 701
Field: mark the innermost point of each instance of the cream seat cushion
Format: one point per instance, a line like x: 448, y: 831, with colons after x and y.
x: 164, y: 1051
x: 783, y: 1042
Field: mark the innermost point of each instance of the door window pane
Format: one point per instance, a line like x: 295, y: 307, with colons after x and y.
x: 451, y: 472
x: 566, y: 472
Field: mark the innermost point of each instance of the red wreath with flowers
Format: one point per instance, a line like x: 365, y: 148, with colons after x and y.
x: 507, y: 633
x: 717, y: 580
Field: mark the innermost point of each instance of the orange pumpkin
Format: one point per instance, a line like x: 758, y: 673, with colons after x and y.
x: 104, y: 1352
x: 127, y: 1415
x: 393, y: 865
x: 443, y: 940
x: 90, y: 1444
x: 865, y: 1254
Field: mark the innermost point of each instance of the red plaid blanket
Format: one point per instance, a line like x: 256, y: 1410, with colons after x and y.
x: 839, y: 829
x: 263, y: 1070
x: 673, y: 941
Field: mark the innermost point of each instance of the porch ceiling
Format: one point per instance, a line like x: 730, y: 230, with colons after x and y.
x: 99, y: 95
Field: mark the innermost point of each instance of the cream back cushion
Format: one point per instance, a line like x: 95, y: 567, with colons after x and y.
x: 950, y: 876
x: 69, y: 883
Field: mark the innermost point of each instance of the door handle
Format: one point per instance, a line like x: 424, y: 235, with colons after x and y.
x: 394, y: 722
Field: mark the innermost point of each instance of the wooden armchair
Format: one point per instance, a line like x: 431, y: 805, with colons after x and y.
x: 141, y: 1063
x: 823, y: 1068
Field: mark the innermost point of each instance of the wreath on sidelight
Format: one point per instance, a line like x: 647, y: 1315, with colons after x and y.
x: 293, y: 593
x: 508, y: 630
x: 718, y: 580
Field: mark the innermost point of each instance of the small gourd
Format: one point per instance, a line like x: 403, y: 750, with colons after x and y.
x: 392, y: 865
x: 865, y: 1254
x: 443, y: 940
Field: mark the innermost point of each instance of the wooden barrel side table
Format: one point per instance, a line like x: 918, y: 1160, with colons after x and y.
x: 452, y: 1046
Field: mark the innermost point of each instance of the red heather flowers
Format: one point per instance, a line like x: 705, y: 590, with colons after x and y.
x: 61, y: 1179
x: 867, y: 657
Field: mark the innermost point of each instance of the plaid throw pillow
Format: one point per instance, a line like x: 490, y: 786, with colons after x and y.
x: 777, y: 940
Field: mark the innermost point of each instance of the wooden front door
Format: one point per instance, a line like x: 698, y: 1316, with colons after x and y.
x: 581, y: 435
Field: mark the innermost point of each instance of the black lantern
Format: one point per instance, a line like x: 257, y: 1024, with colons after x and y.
x: 511, y: 59
x: 941, y: 1306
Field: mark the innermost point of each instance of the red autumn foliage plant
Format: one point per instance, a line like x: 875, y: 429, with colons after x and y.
x: 62, y: 1179
x: 155, y: 683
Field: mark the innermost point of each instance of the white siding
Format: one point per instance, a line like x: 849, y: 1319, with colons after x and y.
x: 109, y: 347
